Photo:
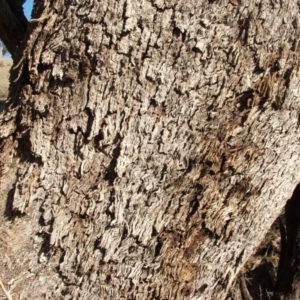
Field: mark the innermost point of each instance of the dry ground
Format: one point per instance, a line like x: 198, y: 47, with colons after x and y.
x: 5, y: 65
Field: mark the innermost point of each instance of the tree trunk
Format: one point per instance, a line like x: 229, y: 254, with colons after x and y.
x: 147, y: 146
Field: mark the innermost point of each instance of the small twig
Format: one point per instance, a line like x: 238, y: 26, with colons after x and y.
x: 245, y: 293
x: 5, y: 291
x: 39, y: 19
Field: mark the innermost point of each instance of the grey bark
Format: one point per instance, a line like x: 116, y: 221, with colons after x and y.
x: 147, y: 146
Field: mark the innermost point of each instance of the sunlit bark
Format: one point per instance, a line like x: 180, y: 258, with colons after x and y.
x: 147, y: 146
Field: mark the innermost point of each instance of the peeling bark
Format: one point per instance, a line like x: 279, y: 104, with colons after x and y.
x: 147, y: 146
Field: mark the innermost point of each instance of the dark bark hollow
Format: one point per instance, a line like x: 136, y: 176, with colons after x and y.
x: 147, y: 146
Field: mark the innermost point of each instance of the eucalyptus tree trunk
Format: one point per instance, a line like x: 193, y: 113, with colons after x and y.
x: 147, y: 146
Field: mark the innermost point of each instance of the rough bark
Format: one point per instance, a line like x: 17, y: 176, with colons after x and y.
x: 147, y: 146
